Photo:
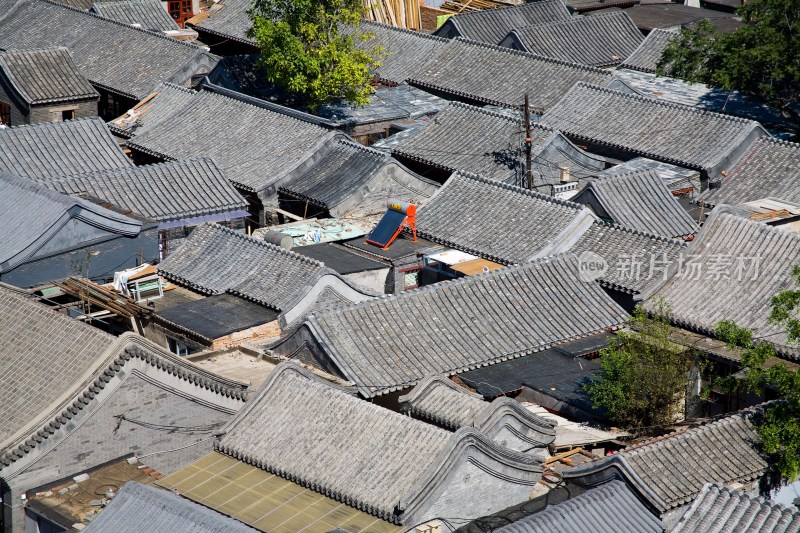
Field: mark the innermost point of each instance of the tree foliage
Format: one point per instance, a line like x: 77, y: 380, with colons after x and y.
x: 779, y: 426
x: 313, y: 48
x: 643, y: 375
x: 760, y: 59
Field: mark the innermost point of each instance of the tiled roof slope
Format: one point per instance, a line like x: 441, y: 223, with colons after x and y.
x: 440, y: 400
x: 215, y: 259
x: 138, y: 508
x: 769, y: 168
x: 646, y: 57
x: 112, y: 55
x: 610, y: 508
x: 623, y: 249
x: 639, y: 200
x: 29, y: 333
x: 491, y: 74
x: 481, y: 141
x: 492, y: 25
x: 404, y: 51
x: 165, y: 99
x: 670, y: 471
x: 163, y: 192
x: 341, y: 172
x: 719, y: 510
x: 599, y: 41
x: 215, y: 125
x: 501, y: 222
x: 149, y: 14
x: 56, y: 149
x: 391, y: 343
x: 229, y: 21
x: 45, y: 76
x: 31, y: 214
x: 678, y: 134
x: 742, y: 265
x: 354, y: 451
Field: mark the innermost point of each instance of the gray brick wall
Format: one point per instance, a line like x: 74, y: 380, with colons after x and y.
x: 22, y: 114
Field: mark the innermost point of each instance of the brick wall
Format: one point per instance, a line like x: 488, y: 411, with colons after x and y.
x: 428, y: 17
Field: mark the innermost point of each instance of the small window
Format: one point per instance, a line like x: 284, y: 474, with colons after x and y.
x: 178, y: 347
x: 5, y: 114
x: 410, y: 277
x: 68, y: 115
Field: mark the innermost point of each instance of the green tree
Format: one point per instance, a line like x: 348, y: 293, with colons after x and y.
x: 760, y: 59
x: 313, y: 48
x: 779, y: 423
x: 643, y: 375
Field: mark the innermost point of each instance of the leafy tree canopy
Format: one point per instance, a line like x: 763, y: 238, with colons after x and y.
x: 643, y: 375
x: 305, y: 50
x: 760, y: 59
x: 779, y: 427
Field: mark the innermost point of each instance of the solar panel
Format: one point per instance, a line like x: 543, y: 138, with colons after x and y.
x: 387, y: 228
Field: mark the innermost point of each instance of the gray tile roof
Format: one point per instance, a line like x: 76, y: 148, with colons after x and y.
x: 45, y: 76
x: 401, y: 102
x: 229, y: 20
x: 628, y: 254
x: 149, y: 14
x: 670, y: 471
x: 29, y: 332
x: 111, y: 55
x: 489, y: 143
x: 215, y: 125
x: 500, y: 222
x: 348, y: 177
x: 165, y: 99
x: 646, y: 57
x: 492, y: 25
x: 138, y: 508
x: 391, y: 343
x: 717, y: 510
x: 769, y: 168
x: 599, y: 41
x: 440, y: 400
x: 215, y: 259
x: 674, y: 177
x: 610, y: 508
x: 354, y: 451
x: 677, y: 134
x: 163, y: 192
x: 638, y: 200
x: 85, y: 365
x: 31, y: 214
x: 404, y: 51
x: 56, y: 149
x: 490, y: 74
x: 731, y: 271
x: 341, y: 171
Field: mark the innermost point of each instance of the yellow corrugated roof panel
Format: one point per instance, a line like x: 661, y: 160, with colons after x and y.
x: 265, y: 501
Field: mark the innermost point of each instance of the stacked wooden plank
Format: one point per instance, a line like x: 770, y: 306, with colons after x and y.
x: 399, y: 13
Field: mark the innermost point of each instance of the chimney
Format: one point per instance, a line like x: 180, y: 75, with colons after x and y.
x: 565, y: 177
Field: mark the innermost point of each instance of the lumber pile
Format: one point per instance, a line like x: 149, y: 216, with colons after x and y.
x: 399, y: 13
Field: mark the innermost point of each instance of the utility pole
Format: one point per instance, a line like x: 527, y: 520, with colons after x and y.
x: 528, y: 142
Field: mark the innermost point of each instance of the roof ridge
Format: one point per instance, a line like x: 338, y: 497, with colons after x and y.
x: 265, y: 244
x: 729, y: 418
x: 138, y: 169
x: 576, y: 20
x: 128, y: 26
x: 515, y: 188
x: 64, y: 124
x: 640, y: 232
x: 406, y: 30
x: 30, y: 50
x: 469, y: 280
x: 662, y: 103
x: 518, y: 6
x: 172, y: 85
x: 530, y: 55
x: 361, y: 148
x: 490, y: 112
